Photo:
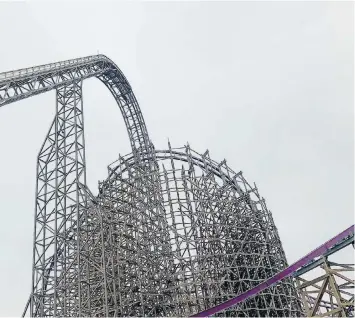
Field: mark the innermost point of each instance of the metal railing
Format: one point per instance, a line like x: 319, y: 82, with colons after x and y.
x: 51, y: 66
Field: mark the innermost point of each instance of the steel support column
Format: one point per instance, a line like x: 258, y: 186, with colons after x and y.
x: 60, y: 171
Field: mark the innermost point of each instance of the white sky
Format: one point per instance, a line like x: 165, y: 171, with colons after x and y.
x: 266, y: 85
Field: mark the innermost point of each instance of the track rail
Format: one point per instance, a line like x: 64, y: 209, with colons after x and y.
x: 27, y: 82
x: 304, y: 261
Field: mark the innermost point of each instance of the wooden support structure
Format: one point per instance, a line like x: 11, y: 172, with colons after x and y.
x: 330, y: 294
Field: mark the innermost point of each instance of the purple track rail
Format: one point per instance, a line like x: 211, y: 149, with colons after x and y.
x: 281, y: 275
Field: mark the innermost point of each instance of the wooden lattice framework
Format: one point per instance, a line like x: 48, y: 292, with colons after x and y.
x: 330, y: 294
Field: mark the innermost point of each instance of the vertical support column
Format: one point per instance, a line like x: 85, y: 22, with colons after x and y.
x: 60, y: 172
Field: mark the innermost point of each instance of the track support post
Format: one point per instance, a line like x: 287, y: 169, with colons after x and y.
x: 61, y: 170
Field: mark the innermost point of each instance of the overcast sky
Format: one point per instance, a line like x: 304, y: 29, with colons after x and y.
x: 266, y: 85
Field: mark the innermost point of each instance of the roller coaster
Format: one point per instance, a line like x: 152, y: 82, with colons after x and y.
x: 170, y: 233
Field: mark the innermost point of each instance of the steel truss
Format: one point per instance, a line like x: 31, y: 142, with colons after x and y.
x: 171, y: 233
x: 60, y: 171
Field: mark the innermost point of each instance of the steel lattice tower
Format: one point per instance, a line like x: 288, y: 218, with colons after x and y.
x: 171, y: 233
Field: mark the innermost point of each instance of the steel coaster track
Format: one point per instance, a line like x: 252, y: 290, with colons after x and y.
x: 27, y: 82
x: 304, y: 264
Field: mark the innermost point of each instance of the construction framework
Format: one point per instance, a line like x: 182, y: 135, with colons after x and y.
x: 171, y: 232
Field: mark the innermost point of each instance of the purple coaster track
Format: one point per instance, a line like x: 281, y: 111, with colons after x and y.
x: 283, y: 274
